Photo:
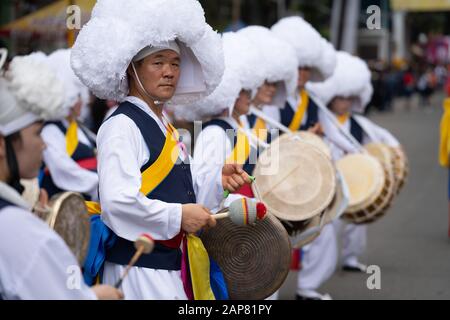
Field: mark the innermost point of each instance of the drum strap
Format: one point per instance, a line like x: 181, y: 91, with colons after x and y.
x: 300, y: 112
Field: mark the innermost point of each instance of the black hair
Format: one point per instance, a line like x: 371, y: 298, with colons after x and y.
x: 13, y: 165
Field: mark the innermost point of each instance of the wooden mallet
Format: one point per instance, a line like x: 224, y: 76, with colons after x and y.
x: 244, y: 212
x: 144, y: 245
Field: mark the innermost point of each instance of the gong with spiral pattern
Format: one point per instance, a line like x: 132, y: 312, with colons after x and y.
x: 254, y: 259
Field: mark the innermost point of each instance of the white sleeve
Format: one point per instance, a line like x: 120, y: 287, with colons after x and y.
x: 211, y: 149
x: 129, y: 213
x: 65, y: 172
x: 36, y: 264
x: 377, y: 133
x: 335, y: 136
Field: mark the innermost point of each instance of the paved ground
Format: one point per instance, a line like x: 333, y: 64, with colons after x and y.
x: 410, y: 244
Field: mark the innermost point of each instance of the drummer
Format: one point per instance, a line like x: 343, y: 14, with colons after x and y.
x: 316, y: 61
x: 142, y: 185
x: 346, y: 94
x: 35, y: 260
x: 70, y: 162
x: 278, y: 69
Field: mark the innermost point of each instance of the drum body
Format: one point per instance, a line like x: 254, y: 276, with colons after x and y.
x: 401, y: 167
x: 296, y: 181
x: 254, y: 259
x: 371, y: 181
x: 68, y: 216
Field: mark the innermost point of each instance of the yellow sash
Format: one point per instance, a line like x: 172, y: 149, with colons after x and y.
x: 157, y: 172
x: 200, y: 268
x: 444, y: 146
x: 260, y: 129
x: 241, y: 150
x: 343, y: 118
x: 300, y: 113
x: 72, y: 138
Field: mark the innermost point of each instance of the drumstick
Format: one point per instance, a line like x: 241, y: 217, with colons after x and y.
x: 244, y: 212
x: 144, y: 245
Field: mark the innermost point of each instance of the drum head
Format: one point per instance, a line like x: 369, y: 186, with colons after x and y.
x: 70, y: 219
x: 295, y: 179
x: 254, y: 260
x: 365, y: 178
x: 313, y: 139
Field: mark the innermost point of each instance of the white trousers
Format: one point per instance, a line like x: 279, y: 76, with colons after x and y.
x: 146, y: 284
x: 319, y: 261
x: 354, y: 241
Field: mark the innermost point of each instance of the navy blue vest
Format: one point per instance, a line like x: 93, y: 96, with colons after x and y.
x: 287, y: 114
x: 232, y: 136
x: 4, y: 204
x: 356, y: 130
x: 82, y: 152
x: 177, y: 187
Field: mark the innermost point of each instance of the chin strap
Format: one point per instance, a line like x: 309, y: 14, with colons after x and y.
x: 156, y: 101
x: 13, y: 165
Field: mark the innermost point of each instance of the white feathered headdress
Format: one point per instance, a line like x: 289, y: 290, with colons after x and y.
x: 29, y: 91
x: 280, y: 63
x: 59, y: 62
x: 242, y: 61
x: 119, y: 29
x: 308, y: 45
x: 350, y: 79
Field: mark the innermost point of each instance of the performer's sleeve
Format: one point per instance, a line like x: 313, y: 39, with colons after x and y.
x: 211, y: 149
x: 377, y: 133
x: 66, y: 173
x: 38, y: 263
x: 128, y: 212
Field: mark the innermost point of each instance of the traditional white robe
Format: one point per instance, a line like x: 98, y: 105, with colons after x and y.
x: 65, y: 172
x: 35, y: 263
x: 122, y: 151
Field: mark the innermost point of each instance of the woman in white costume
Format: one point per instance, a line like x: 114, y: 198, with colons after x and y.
x: 316, y: 61
x: 34, y: 260
x: 142, y: 54
x: 346, y: 94
x: 70, y: 162
x: 280, y: 74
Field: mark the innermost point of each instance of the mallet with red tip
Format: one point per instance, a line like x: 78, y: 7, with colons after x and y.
x: 244, y: 212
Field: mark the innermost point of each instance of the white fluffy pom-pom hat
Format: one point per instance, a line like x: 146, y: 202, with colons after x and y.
x: 308, y: 45
x: 59, y: 62
x: 242, y: 60
x: 119, y: 29
x: 30, y: 91
x: 280, y: 62
x: 351, y: 78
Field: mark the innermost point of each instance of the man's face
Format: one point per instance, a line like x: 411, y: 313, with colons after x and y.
x: 159, y: 73
x: 76, y: 109
x: 303, y: 77
x: 341, y: 105
x: 29, y: 150
x: 266, y: 93
x: 242, y: 105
